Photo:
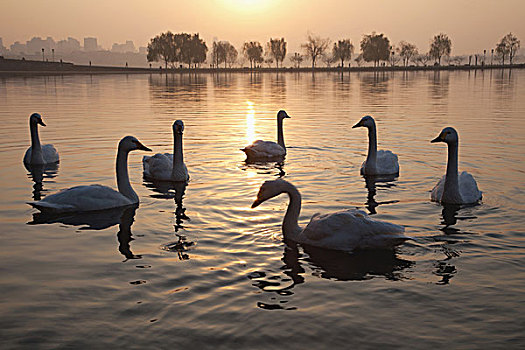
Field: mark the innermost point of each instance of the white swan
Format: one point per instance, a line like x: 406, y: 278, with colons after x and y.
x: 166, y: 167
x: 454, y: 188
x: 268, y: 150
x: 97, y: 197
x: 37, y: 153
x: 343, y: 230
x: 377, y: 162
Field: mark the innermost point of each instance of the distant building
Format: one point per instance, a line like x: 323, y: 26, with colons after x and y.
x: 18, y: 48
x: 123, y: 48
x: 143, y: 50
x: 90, y: 44
x: 36, y: 44
x: 2, y: 48
x: 68, y: 46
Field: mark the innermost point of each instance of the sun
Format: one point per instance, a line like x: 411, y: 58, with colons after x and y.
x: 248, y: 5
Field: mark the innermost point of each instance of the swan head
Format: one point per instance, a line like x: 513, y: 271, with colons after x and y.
x: 130, y: 143
x: 448, y: 135
x: 269, y: 189
x: 367, y: 122
x: 178, y: 126
x: 36, y: 118
x: 282, y: 114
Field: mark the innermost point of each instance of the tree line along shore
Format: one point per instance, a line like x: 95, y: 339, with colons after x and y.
x: 183, y: 52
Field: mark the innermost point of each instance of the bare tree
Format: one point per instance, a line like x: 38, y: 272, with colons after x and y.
x: 407, y: 51
x: 423, y: 59
x: 441, y: 46
x: 328, y: 59
x: 315, y: 47
x: 277, y: 48
x: 508, y: 46
x: 231, y: 54
x: 343, y: 50
x: 297, y: 59
x: 253, y: 51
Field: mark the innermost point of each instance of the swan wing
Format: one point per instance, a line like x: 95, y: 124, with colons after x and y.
x: 158, y: 166
x: 264, y: 150
x: 468, y: 188
x: 50, y: 154
x: 387, y: 162
x: 351, y: 229
x: 82, y: 198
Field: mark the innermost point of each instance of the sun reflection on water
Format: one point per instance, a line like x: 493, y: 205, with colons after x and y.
x: 250, y: 122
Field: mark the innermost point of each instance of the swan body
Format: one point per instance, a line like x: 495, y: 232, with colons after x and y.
x: 97, y: 197
x: 166, y: 166
x: 344, y: 230
x: 39, y: 154
x: 454, y: 188
x: 268, y: 150
x: 377, y: 162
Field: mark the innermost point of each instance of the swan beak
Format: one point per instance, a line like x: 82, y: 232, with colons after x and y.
x: 357, y: 125
x: 142, y: 147
x: 41, y: 122
x: 256, y: 203
x: 287, y: 116
x: 437, y: 139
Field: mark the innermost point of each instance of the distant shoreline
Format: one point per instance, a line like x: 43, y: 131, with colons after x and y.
x: 10, y: 67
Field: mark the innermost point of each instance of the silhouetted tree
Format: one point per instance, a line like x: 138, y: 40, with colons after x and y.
x: 297, y: 59
x: 277, y: 49
x: 231, y: 54
x: 375, y: 47
x: 315, y: 47
x: 342, y: 51
x: 192, y: 49
x: 328, y: 59
x: 223, y: 52
x: 441, y: 46
x: 508, y: 46
x: 423, y: 59
x: 359, y: 59
x: 162, y: 48
x: 253, y: 51
x: 407, y: 51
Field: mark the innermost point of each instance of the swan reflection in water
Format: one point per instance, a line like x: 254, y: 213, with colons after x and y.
x: 265, y: 168
x: 38, y: 173
x: 98, y: 220
x: 335, y: 265
x: 449, y: 218
x: 175, y: 190
x: 371, y: 183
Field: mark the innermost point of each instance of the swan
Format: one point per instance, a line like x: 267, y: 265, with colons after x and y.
x: 342, y: 230
x: 454, y: 188
x: 377, y: 162
x: 37, y: 153
x: 166, y: 167
x: 97, y: 197
x: 268, y: 150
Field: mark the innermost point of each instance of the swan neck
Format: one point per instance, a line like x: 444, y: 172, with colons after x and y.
x: 123, y: 184
x: 36, y: 148
x: 280, y: 135
x: 290, y: 225
x: 178, y: 157
x: 451, y: 187
x: 372, y: 146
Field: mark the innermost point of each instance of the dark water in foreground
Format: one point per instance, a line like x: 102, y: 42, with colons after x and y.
x: 206, y: 271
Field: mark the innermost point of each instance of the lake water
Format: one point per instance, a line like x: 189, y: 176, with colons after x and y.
x: 206, y: 271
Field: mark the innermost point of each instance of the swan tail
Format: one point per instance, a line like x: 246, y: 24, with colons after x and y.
x: 50, y: 207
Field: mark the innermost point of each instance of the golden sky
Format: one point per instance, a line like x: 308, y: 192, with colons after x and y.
x: 473, y: 25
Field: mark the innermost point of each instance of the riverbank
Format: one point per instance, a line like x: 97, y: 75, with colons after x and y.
x: 27, y: 67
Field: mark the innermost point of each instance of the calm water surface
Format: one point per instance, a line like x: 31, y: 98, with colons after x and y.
x: 198, y: 268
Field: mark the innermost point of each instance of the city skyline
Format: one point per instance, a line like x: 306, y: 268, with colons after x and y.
x: 472, y: 26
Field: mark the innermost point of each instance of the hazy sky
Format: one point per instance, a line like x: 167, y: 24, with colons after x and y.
x: 473, y: 25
